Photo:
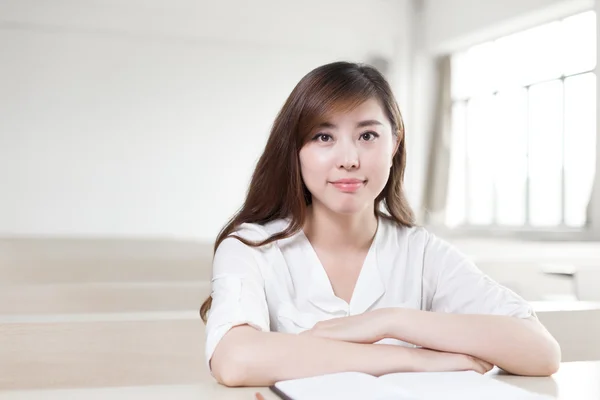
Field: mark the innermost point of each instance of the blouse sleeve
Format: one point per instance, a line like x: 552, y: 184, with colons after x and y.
x: 238, y: 294
x: 460, y: 287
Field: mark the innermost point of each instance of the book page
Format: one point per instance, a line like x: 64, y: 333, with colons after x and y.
x: 463, y: 385
x: 343, y: 385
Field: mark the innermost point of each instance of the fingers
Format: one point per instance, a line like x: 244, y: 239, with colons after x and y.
x: 486, y: 365
x: 481, y: 366
x: 477, y: 367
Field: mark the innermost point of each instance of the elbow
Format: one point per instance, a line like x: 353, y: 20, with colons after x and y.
x: 541, y: 360
x: 548, y: 361
x: 553, y: 358
x: 229, y: 366
x: 235, y: 359
x: 552, y: 368
x: 228, y: 375
x: 546, y: 368
x: 229, y: 378
x: 545, y: 353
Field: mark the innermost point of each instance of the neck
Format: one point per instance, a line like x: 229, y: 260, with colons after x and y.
x: 324, y: 228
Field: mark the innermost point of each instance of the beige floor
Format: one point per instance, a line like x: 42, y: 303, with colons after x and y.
x: 80, y: 314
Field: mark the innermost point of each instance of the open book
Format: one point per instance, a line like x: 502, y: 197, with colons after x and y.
x: 467, y: 385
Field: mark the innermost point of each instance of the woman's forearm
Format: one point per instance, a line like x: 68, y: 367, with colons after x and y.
x: 247, y: 357
x: 519, y: 346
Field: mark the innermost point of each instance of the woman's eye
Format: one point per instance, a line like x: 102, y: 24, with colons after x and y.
x: 369, y: 136
x: 323, y: 137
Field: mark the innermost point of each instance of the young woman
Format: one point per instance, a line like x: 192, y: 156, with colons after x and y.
x: 323, y: 269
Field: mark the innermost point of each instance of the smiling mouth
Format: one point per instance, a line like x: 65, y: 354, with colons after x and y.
x: 348, y: 185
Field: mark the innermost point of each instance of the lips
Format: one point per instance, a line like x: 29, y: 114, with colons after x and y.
x: 348, y: 185
x: 348, y: 181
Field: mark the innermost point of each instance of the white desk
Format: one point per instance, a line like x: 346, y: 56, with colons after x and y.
x: 574, y: 381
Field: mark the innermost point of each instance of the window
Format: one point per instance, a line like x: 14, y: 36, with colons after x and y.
x: 524, y: 128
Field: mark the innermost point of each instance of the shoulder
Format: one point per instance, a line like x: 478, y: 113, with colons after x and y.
x: 234, y: 256
x: 399, y: 235
x: 252, y: 232
x: 417, y: 240
x: 256, y: 232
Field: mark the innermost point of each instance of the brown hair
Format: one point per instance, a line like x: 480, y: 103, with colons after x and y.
x: 277, y: 190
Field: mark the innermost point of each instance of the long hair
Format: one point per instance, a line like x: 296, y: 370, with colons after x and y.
x: 277, y: 190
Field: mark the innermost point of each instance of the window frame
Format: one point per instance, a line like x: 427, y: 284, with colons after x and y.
x: 562, y: 232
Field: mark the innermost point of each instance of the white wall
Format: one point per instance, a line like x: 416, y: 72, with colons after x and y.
x: 145, y: 117
x: 451, y: 24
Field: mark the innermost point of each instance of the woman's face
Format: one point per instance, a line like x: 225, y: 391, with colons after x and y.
x: 346, y: 162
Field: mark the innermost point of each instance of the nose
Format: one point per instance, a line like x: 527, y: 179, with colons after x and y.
x: 348, y: 156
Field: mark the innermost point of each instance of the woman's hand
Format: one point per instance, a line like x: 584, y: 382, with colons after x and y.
x: 369, y: 327
x: 373, y: 326
x: 437, y: 361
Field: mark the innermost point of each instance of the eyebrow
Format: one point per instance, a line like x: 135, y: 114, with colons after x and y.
x: 361, y: 124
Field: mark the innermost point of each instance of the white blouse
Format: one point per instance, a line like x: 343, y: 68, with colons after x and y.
x: 283, y: 286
